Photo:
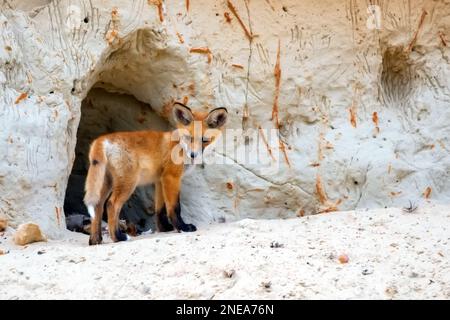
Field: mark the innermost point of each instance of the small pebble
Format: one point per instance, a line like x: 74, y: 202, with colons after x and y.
x: 229, y: 273
x: 275, y: 245
x: 367, y: 272
x: 343, y: 258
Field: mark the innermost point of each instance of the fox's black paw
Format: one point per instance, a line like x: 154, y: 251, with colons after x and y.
x: 95, y: 240
x: 165, y: 227
x: 187, y: 228
x: 163, y: 224
x: 120, y: 236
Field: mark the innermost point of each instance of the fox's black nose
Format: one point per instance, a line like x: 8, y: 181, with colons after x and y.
x: 193, y: 155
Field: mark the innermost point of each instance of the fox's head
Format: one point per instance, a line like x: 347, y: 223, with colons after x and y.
x: 198, y: 130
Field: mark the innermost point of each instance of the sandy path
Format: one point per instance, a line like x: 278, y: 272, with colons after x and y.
x: 392, y: 254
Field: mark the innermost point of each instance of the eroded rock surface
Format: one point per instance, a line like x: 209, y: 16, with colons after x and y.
x: 363, y: 112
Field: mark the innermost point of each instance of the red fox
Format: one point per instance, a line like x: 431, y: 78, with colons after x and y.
x: 119, y: 162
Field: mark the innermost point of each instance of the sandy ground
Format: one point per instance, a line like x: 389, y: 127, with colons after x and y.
x: 392, y: 255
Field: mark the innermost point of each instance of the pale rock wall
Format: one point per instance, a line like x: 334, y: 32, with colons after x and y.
x: 332, y: 66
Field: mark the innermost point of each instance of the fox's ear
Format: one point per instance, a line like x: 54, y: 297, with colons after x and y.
x: 217, y: 118
x: 182, y: 114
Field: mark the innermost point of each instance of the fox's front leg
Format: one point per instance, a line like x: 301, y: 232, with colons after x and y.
x: 162, y: 221
x: 171, y: 184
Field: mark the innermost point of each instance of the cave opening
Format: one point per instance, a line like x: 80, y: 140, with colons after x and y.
x: 130, y: 89
x: 105, y: 111
x: 399, y: 74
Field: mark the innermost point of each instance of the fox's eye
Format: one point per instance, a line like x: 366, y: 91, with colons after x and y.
x: 206, y: 140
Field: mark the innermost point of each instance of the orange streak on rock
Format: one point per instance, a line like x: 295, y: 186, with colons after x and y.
x: 58, y: 215
x: 160, y: 12
x: 375, y: 121
x: 333, y: 207
x: 283, y: 149
x: 266, y: 143
x: 115, y: 13
x: 159, y: 5
x: 320, y: 191
x: 113, y: 31
x: 180, y: 38
x: 320, y: 148
x: 353, y: 114
x: 275, y: 109
x: 227, y: 17
x: 443, y: 40
x: 21, y: 97
x: 203, y: 50
x: 427, y: 193
x: 301, y: 213
x: 234, y: 11
x: 416, y: 34
x: 277, y: 74
x: 111, y: 36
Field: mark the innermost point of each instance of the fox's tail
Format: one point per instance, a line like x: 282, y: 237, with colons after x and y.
x: 96, y: 176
